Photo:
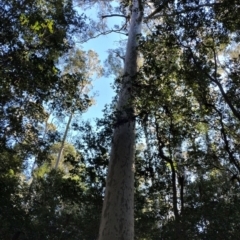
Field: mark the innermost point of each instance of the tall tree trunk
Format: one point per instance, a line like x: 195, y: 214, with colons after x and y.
x: 117, y: 221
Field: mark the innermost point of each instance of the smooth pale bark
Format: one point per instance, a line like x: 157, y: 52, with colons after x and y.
x: 117, y: 220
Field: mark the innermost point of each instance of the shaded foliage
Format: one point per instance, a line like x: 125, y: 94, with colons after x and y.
x: 186, y: 98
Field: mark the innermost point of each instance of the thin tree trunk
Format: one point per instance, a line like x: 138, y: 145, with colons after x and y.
x: 117, y: 220
x: 63, y: 141
x: 175, y: 209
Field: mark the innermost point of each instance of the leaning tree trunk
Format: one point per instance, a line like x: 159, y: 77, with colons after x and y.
x: 63, y: 142
x: 117, y: 221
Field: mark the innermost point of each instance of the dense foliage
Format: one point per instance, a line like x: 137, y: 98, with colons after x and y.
x: 187, y: 172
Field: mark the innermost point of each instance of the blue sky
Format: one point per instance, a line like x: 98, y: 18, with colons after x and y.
x: 102, y: 86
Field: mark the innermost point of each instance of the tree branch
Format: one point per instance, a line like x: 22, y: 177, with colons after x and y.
x: 173, y: 171
x: 154, y: 15
x: 227, y: 147
x: 104, y: 33
x: 118, y: 55
x: 115, y: 15
x: 214, y: 80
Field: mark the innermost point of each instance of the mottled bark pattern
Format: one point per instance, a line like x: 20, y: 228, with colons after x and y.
x: 117, y: 220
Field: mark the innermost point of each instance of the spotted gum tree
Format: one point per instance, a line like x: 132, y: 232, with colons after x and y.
x: 117, y: 221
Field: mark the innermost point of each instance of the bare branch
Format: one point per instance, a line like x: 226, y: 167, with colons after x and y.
x: 120, y: 56
x: 115, y: 15
x: 120, y: 31
x: 104, y: 33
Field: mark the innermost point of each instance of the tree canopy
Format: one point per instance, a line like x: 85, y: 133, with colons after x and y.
x: 177, y: 89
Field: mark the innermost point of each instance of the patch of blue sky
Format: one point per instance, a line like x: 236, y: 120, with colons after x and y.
x: 102, y: 88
